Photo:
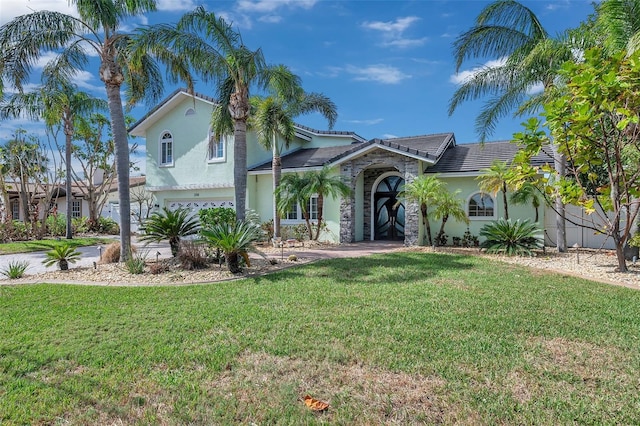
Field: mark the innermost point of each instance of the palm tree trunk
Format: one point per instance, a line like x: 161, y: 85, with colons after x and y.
x: 240, y: 167
x: 277, y: 172
x: 559, y: 163
x: 68, y: 133
x: 504, y: 200
x: 425, y: 220
x: 121, y: 140
x: 444, y: 222
x: 320, y: 214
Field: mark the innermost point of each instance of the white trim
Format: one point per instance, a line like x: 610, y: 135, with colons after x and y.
x: 285, y: 221
x: 371, y: 147
x: 295, y: 170
x: 224, y: 141
x: 161, y: 142
x: 337, y: 135
x: 188, y: 187
x: 374, y: 189
x: 495, y: 207
x: 454, y: 174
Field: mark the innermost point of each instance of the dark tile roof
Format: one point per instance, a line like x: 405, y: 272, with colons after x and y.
x: 330, y: 132
x: 313, y: 157
x: 475, y: 157
x: 427, y: 146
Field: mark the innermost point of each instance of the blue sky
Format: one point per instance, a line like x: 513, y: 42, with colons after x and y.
x: 387, y: 65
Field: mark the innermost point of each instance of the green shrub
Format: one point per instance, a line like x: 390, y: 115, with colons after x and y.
x: 172, y: 225
x: 16, y: 269
x: 62, y: 255
x: 234, y: 241
x: 56, y: 224
x: 108, y: 226
x: 80, y: 224
x: 136, y: 263
x: 217, y: 216
x: 511, y: 238
x: 21, y: 231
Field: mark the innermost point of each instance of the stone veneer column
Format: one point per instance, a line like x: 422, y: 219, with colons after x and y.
x: 347, y: 206
x: 411, y: 210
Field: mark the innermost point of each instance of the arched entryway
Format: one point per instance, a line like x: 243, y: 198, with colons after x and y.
x: 388, y: 214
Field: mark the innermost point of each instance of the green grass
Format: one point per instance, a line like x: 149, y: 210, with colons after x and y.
x: 400, y: 338
x: 45, y: 245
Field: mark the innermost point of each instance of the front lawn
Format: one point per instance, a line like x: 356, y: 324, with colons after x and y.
x: 396, y: 338
x: 48, y: 244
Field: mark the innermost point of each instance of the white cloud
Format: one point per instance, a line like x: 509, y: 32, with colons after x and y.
x: 393, y: 32
x: 267, y: 6
x: 389, y: 136
x: 270, y: 19
x: 380, y: 73
x: 397, y: 26
x: 14, y: 8
x: 175, y: 5
x: 369, y: 122
x: 464, y: 76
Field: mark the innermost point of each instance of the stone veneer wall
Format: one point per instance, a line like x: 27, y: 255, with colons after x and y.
x: 387, y: 161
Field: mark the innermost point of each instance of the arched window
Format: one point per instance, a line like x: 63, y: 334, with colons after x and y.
x: 216, y: 148
x: 189, y: 111
x: 481, y: 205
x: 166, y: 149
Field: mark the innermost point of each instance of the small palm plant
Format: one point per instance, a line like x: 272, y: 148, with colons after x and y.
x: 169, y: 225
x: 62, y: 255
x: 235, y: 241
x: 511, y: 238
x: 15, y: 269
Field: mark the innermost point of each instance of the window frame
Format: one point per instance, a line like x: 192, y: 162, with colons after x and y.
x: 163, y: 154
x: 313, y: 213
x: 483, y: 217
x: 220, y: 143
x: 76, y: 212
x: 15, y: 209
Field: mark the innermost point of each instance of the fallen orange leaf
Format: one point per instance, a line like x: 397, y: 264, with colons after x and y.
x: 315, y: 404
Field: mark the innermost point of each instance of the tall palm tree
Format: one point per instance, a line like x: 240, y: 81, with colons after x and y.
x: 58, y: 103
x: 424, y: 190
x: 525, y: 55
x: 210, y: 47
x: 525, y: 195
x: 98, y: 30
x: 448, y: 205
x: 272, y: 118
x: 618, y: 21
x: 495, y: 179
x: 323, y: 184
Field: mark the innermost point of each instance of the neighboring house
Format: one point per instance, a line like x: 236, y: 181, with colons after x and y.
x: 187, y: 167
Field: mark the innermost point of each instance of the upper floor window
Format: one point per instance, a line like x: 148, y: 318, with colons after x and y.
x: 166, y: 149
x: 481, y: 205
x: 216, y: 148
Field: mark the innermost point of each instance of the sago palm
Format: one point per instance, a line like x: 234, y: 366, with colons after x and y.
x: 234, y: 241
x: 61, y: 255
x: 511, y: 238
x: 172, y: 225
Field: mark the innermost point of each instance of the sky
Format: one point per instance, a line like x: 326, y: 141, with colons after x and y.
x: 387, y: 65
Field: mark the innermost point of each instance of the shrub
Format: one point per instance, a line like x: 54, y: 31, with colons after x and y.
x: 192, y: 255
x: 217, y: 216
x: 171, y: 225
x: 511, y: 238
x: 136, y: 263
x: 267, y: 228
x: 457, y: 241
x: 470, y: 240
x: 158, y: 267
x: 56, y: 224
x: 16, y: 269
x: 20, y: 231
x: 80, y: 224
x: 234, y: 241
x: 441, y: 239
x: 111, y: 253
x: 300, y: 232
x: 108, y: 226
x: 62, y: 255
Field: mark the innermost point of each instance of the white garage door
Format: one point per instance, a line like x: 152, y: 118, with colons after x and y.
x: 196, y: 205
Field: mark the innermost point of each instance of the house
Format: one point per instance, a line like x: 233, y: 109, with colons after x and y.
x: 187, y: 167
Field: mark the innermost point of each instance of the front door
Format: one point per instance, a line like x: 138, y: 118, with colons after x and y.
x: 389, y: 213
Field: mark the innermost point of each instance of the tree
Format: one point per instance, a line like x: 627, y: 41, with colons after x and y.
x: 292, y: 191
x: 424, y: 190
x: 618, y: 22
x: 527, y: 194
x: 220, y: 56
x: 525, y: 55
x: 323, y: 184
x: 495, y: 179
x: 58, y: 103
x: 98, y: 29
x: 447, y: 205
x: 169, y: 225
x: 596, y: 124
x: 273, y: 118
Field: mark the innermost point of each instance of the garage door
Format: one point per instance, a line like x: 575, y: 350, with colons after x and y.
x: 196, y: 205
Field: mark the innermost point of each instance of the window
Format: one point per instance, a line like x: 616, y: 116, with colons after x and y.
x: 166, y: 149
x: 216, y: 148
x: 481, y: 205
x: 15, y: 209
x: 76, y: 208
x: 295, y: 213
x: 189, y: 111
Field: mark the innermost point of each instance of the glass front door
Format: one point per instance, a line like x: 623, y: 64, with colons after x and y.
x: 389, y: 213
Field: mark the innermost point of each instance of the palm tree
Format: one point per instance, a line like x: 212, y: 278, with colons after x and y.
x: 323, y: 184
x: 97, y: 31
x: 292, y: 191
x: 424, y: 190
x: 619, y: 23
x: 58, y: 103
x: 170, y: 225
x: 235, y: 241
x: 220, y: 56
x: 525, y: 195
x: 449, y: 205
x: 273, y: 117
x: 495, y: 179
